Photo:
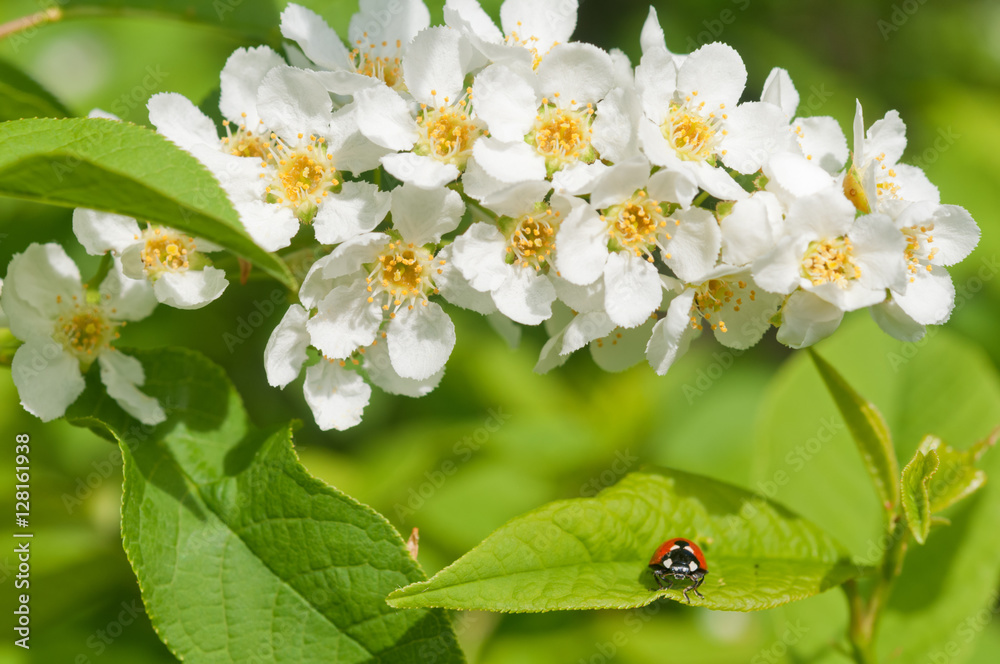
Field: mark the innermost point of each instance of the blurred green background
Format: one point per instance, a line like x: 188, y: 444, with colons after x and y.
x: 576, y: 430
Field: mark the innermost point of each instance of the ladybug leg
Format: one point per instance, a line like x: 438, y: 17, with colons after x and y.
x: 694, y: 587
x: 660, y: 581
x: 686, y: 595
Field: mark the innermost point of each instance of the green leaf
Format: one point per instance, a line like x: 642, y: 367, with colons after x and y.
x: 869, y: 430
x: 957, y: 476
x: 913, y: 493
x: 126, y: 169
x: 251, y: 18
x: 22, y: 97
x: 593, y: 553
x: 240, y: 554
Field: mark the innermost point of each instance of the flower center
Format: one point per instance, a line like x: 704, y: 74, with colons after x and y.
x: 830, y: 261
x: 165, y: 250
x: 402, y: 275
x: 379, y: 61
x: 84, y: 330
x: 301, y: 177
x: 690, y: 133
x: 637, y: 225
x: 532, y: 240
x: 710, y: 298
x: 245, y: 143
x: 529, y: 42
x: 917, y: 251
x: 447, y: 133
x: 562, y: 135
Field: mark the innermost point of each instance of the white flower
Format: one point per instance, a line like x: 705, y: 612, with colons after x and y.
x: 380, y: 278
x: 436, y: 140
x: 170, y: 260
x: 284, y: 164
x: 66, y: 329
x: 727, y: 300
x: 751, y: 228
x: 849, y: 263
x: 820, y: 138
x: 513, y: 263
x: 378, y: 34
x: 615, y: 237
x: 807, y: 319
x: 876, y: 181
x: 936, y: 236
x: 692, y: 122
x: 531, y: 28
x: 545, y: 121
x: 335, y: 390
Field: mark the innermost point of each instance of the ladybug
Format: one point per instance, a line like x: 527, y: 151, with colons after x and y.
x: 681, y: 559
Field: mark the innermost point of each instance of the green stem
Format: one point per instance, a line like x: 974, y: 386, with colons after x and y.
x: 94, y: 283
x: 27, y: 22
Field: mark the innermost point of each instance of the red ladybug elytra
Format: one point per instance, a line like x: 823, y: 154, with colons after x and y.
x: 679, y: 558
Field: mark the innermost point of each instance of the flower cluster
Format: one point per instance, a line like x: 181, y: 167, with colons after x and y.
x: 513, y: 171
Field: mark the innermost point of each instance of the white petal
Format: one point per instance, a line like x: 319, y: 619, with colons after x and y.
x: 750, y: 230
x: 651, y: 36
x: 587, y: 298
x: 479, y: 184
x: 694, y: 246
x: 792, y: 176
x: 715, y: 181
x: 672, y: 335
x: 100, y: 232
x: 914, y: 185
x: 182, y: 122
x: 616, y: 125
x: 632, y: 289
x: 345, y: 322
x: 780, y: 91
x: 581, y: 246
x: 422, y: 216
x: 757, y: 130
x: 380, y: 372
x: 352, y: 254
x: 292, y: 101
x: 716, y: 72
x: 456, y: 288
x: 579, y: 178
x: 525, y: 296
x: 550, y: 21
x: 271, y: 226
x: 191, y: 289
x: 583, y: 329
x: 878, y: 248
x: 859, y: 134
x: 929, y: 298
x: 285, y: 352
x: 318, y: 41
x: 955, y: 234
x: 479, y: 256
x: 131, y: 299
x: 470, y: 17
x: 520, y: 199
x: 746, y: 321
x: 778, y: 271
x: 852, y: 297
x: 823, y: 142
x: 656, y: 84
x: 337, y: 397
x: 240, y: 78
x: 384, y: 117
x: 420, y: 341
x: 806, y: 319
x: 887, y: 136
x: 357, y: 209
x: 433, y: 68
x: 896, y: 323
x: 388, y: 21
x: 622, y: 349
x: 578, y: 72
x: 424, y: 172
x: 509, y: 162
x: 47, y: 378
x: 826, y: 214
x: 506, y: 100
x: 36, y: 278
x: 122, y: 375
x: 674, y: 186
x: 619, y: 182
x: 355, y: 152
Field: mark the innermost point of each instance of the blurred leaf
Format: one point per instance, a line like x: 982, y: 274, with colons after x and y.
x: 590, y: 553
x: 957, y: 476
x: 126, y: 169
x: 252, y: 18
x: 22, y: 97
x: 869, y: 430
x: 240, y: 553
x: 913, y: 492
